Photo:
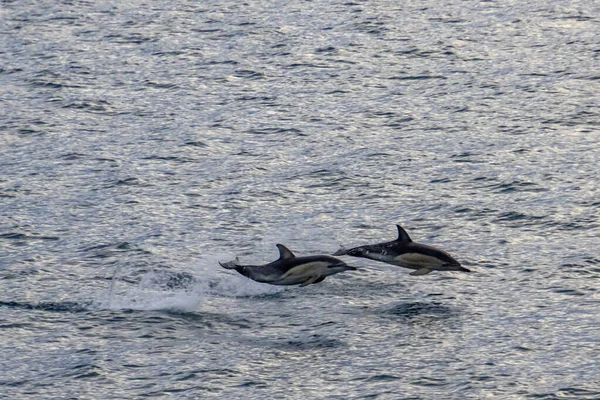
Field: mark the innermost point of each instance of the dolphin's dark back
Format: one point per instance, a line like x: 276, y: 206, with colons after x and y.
x: 405, y: 253
x: 289, y: 263
x: 313, y: 269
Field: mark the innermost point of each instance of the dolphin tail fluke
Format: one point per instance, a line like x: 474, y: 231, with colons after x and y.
x: 341, y: 252
x: 231, y: 264
x: 312, y: 279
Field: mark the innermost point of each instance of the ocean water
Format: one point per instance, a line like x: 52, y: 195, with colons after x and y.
x: 142, y: 142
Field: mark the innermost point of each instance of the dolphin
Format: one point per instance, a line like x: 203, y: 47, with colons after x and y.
x: 405, y: 253
x: 291, y: 270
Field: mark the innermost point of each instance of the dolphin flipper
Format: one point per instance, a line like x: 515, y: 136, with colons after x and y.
x: 422, y: 271
x: 312, y: 279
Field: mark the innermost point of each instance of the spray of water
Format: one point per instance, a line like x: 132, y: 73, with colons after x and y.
x: 179, y: 291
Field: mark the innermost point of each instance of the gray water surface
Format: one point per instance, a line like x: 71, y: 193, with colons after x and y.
x: 144, y: 142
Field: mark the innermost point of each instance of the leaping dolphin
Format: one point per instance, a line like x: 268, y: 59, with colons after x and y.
x: 291, y: 270
x: 405, y: 253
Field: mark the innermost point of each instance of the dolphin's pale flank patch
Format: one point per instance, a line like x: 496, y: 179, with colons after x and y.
x: 306, y: 270
x: 291, y: 270
x: 403, y: 252
x: 419, y: 260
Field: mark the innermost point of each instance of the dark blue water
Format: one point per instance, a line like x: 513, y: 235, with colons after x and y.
x: 143, y: 142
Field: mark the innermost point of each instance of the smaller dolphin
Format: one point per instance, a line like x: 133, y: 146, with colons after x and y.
x: 408, y: 254
x: 291, y: 270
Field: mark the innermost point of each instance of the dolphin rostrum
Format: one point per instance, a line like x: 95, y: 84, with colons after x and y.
x: 408, y: 254
x: 291, y: 270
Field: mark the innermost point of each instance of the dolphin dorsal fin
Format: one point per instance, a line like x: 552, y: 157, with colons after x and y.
x: 402, y: 235
x: 284, y: 252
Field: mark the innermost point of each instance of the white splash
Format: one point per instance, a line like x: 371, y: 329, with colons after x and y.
x: 202, y: 282
x: 148, y: 296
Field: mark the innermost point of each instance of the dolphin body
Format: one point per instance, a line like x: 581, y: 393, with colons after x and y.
x: 403, y: 252
x: 291, y: 270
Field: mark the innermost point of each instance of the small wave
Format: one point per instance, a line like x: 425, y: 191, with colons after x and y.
x: 130, y: 182
x: 371, y: 27
x: 95, y: 106
x: 215, y: 62
x: 156, y: 85
x: 430, y: 382
x: 410, y: 310
x: 72, y: 156
x: 10, y: 70
x: 195, y: 143
x: 49, y: 84
x: 327, y: 50
x: 113, y: 249
x: 262, y: 99
x: 417, y: 77
x: 249, y: 74
x: 382, y: 378
x: 253, y: 383
x: 22, y: 236
x: 587, y: 268
x: 30, y: 132
x: 568, y: 393
x: 134, y: 38
x: 517, y: 186
x: 576, y: 224
x: 176, y: 159
x: 274, y: 130
x: 466, y: 157
x: 308, y: 65
x: 518, y: 219
x: 568, y: 292
x: 307, y: 342
x: 47, y: 306
x: 126, y: 182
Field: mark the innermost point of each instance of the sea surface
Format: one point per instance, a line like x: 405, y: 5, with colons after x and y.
x: 142, y: 142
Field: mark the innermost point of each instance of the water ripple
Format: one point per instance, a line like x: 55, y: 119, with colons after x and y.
x: 141, y: 145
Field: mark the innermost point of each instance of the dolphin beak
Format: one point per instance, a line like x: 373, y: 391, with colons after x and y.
x: 345, y: 266
x: 340, y: 252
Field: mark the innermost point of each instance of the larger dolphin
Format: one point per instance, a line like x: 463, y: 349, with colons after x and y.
x: 291, y: 270
x: 405, y: 253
